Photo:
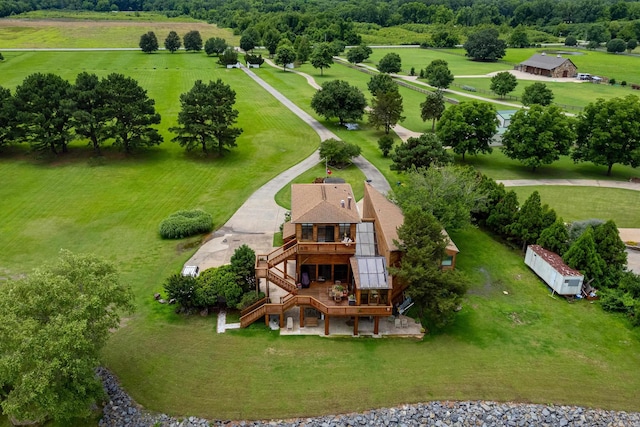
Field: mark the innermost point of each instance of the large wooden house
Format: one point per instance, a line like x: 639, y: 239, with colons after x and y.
x: 335, y: 259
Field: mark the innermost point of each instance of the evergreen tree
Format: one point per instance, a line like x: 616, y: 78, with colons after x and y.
x: 432, y: 108
x: 386, y: 110
x: 531, y: 219
x: 504, y: 214
x: 612, y: 250
x: 555, y: 238
x: 583, y: 256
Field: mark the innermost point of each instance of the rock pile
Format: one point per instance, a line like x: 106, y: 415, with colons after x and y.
x: 122, y: 411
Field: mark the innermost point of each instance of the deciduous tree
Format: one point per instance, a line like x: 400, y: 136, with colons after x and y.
x: 503, y: 83
x: 608, y: 132
x: 215, y: 45
x: 570, y: 41
x: 337, y: 98
x: 450, y: 193
x: 381, y: 83
x: 322, y: 57
x: 385, y: 144
x: 172, y: 42
x: 337, y: 152
x: 271, y: 39
x: 519, y: 37
x: 228, y: 57
x: 485, y: 45
x: 132, y: 113
x: 538, y: 136
x: 247, y: 42
x: 192, y: 41
x: 632, y: 44
x: 438, y: 75
x: 303, y: 51
x: 468, y: 127
x: 358, y: 54
x: 285, y: 55
x: 7, y: 116
x: 432, y: 108
x: 616, y: 46
x: 386, y: 110
x: 44, y: 108
x: 537, y: 93
x: 207, y: 117
x: 390, y: 63
x: 149, y: 42
x: 53, y: 325
x: 422, y: 152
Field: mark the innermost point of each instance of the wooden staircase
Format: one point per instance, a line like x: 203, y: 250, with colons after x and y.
x: 288, y: 284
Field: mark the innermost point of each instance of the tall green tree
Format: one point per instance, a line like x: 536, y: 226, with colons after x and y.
x: 438, y: 75
x: 484, y: 45
x: 583, y: 256
x: 132, y: 113
x: 450, y: 193
x: 390, y: 63
x: 537, y: 93
x: 172, y: 42
x: 539, y: 136
x: 303, y: 50
x: 247, y: 42
x: 531, y: 219
x: 7, y: 117
x: 519, y: 38
x: 437, y: 293
x: 432, y: 108
x: 468, y: 127
x: 192, y: 41
x: 385, y: 144
x: 422, y: 152
x: 555, y: 238
x: 44, y: 107
x: 616, y: 46
x: 612, y: 250
x: 381, y: 83
x: 149, y: 42
x: 503, y: 83
x: 504, y: 214
x: 322, y: 57
x: 215, y: 45
x: 285, y: 55
x: 53, y: 325
x: 608, y: 132
x: 243, y: 263
x: 271, y: 39
x: 207, y: 117
x: 91, y: 117
x: 358, y: 54
x: 337, y: 98
x: 228, y: 57
x: 386, y: 110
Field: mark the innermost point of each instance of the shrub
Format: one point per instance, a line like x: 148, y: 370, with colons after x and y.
x: 612, y: 81
x: 385, y: 143
x: 623, y: 83
x: 185, y: 223
x: 183, y: 289
x: 338, y: 152
x: 570, y: 41
x: 248, y: 299
x: 1, y: 57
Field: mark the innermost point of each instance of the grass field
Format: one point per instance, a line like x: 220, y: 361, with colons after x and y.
x: 578, y: 203
x: 90, y: 31
x: 524, y: 346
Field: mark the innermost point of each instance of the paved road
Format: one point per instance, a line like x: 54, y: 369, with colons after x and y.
x: 577, y: 182
x: 260, y: 216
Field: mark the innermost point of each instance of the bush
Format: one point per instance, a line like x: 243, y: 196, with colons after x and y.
x: 1, y: 57
x: 623, y: 83
x: 186, y: 223
x: 183, y: 289
x: 248, y: 299
x: 385, y: 143
x: 338, y: 152
x: 612, y: 81
x: 570, y: 41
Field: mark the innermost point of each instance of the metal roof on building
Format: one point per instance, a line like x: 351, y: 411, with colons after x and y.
x: 555, y: 261
x: 545, y: 62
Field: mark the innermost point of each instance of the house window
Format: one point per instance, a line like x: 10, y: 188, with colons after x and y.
x: 324, y: 272
x: 307, y: 232
x: 326, y: 233
x: 345, y: 230
x: 340, y: 272
x: 447, y: 261
x: 572, y: 282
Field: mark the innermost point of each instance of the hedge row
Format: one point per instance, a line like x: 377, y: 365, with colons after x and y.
x: 186, y: 223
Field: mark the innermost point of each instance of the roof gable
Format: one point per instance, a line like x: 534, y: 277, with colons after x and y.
x: 323, y: 204
x: 546, y: 62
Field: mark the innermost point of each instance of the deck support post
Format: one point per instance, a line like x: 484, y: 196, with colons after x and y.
x: 302, y: 317
x: 281, y: 320
x: 326, y: 324
x: 376, y: 324
x: 266, y: 320
x: 355, y: 326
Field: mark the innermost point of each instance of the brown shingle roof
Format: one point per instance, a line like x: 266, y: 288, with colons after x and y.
x: 387, y: 214
x: 555, y: 261
x: 322, y: 204
x: 545, y: 62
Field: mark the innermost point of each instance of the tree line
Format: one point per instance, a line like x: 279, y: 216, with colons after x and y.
x: 48, y: 112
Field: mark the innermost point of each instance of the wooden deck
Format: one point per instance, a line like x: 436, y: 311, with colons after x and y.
x: 320, y: 291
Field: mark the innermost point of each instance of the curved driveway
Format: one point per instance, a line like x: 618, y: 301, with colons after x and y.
x: 260, y: 216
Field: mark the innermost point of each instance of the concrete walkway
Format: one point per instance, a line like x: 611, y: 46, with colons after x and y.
x: 576, y: 182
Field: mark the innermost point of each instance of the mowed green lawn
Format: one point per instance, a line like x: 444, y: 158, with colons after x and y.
x: 524, y: 346
x: 579, y: 203
x: 98, y: 30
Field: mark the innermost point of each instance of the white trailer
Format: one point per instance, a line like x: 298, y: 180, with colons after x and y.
x: 550, y: 267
